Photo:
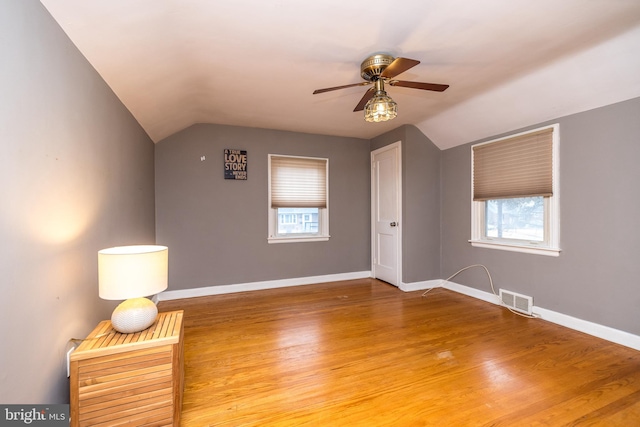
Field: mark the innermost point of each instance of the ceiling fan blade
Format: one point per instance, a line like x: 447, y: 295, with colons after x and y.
x: 419, y: 85
x: 329, y: 89
x: 367, y: 96
x: 398, y: 66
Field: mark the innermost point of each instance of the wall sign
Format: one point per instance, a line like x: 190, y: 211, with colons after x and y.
x: 235, y: 164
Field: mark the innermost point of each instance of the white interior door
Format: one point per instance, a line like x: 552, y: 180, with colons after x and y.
x: 386, y: 203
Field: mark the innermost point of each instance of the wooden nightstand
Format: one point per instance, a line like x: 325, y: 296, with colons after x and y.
x: 132, y: 379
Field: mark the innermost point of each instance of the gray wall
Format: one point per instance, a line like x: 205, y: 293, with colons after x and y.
x: 76, y: 175
x: 420, y: 202
x: 217, y: 228
x: 596, y: 275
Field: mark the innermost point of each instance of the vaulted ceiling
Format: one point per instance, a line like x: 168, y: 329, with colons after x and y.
x: 509, y: 63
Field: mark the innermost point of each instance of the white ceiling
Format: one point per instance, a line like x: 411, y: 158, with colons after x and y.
x: 510, y: 63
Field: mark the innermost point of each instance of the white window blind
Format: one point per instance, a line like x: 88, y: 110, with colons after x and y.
x: 299, y: 182
x: 520, y: 166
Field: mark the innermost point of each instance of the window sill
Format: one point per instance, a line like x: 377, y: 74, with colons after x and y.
x: 298, y: 239
x: 536, y: 250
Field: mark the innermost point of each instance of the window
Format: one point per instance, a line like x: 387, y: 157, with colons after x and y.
x: 286, y: 218
x: 298, y: 199
x: 515, y: 193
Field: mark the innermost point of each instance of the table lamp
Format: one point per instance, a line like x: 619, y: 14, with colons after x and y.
x: 132, y: 273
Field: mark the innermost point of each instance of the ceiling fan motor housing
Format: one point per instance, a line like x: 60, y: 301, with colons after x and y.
x: 373, y: 66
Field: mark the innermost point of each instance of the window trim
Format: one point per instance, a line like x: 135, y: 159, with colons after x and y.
x: 551, y: 245
x: 323, y: 213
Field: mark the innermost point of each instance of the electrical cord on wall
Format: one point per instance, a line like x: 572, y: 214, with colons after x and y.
x: 492, y: 290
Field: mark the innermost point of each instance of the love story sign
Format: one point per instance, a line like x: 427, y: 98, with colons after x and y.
x: 235, y: 164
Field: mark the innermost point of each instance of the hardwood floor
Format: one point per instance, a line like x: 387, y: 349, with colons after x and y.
x: 363, y: 353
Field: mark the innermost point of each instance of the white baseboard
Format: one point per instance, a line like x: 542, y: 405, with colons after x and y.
x: 610, y: 334
x: 255, y: 286
x: 420, y: 286
x: 472, y: 292
x: 606, y: 333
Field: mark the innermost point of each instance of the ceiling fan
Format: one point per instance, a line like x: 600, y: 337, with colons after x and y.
x: 377, y: 70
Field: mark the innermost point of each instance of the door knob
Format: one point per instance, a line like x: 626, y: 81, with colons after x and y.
x: 393, y: 224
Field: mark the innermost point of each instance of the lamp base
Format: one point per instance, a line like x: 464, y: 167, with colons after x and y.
x: 134, y: 315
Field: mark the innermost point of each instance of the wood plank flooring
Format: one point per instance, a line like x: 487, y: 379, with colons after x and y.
x: 363, y: 353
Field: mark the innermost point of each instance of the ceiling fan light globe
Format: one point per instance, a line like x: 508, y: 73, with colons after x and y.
x: 380, y: 108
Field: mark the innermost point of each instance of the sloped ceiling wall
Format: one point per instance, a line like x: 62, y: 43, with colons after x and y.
x: 254, y: 63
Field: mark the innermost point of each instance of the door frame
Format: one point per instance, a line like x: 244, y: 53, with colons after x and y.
x: 398, y: 147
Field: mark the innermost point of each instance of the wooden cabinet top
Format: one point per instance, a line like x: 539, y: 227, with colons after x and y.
x: 104, y: 340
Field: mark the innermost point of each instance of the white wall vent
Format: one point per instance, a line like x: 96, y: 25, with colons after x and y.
x: 518, y: 302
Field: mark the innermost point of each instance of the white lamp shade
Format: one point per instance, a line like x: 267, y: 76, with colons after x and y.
x: 132, y: 271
